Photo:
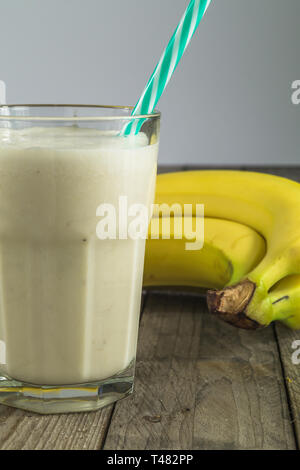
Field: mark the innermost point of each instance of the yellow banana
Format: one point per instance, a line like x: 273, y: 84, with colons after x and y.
x: 230, y: 251
x: 268, y: 204
x: 285, y: 299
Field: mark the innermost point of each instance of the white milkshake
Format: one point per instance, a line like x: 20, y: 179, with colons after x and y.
x: 69, y: 302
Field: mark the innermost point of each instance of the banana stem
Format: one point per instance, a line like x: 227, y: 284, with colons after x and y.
x: 230, y: 304
x: 246, y: 305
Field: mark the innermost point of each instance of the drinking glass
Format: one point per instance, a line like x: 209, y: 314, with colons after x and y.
x: 71, y: 182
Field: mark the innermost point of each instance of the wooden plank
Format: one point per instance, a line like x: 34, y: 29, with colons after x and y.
x: 170, y: 168
x: 286, y: 339
x: 201, y: 384
x: 20, y: 430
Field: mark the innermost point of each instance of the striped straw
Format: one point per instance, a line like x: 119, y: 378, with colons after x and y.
x: 167, y: 63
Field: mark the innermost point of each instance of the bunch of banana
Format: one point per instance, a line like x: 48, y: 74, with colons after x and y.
x: 251, y: 250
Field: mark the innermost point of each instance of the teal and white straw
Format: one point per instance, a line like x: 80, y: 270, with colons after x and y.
x: 168, y: 63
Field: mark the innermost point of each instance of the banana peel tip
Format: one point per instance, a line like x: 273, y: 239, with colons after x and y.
x: 230, y: 304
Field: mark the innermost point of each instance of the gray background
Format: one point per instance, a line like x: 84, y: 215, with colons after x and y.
x: 229, y: 101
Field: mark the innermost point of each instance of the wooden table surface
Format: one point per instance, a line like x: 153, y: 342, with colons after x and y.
x: 200, y: 384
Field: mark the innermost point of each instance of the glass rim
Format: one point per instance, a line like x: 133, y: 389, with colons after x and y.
x: 154, y: 114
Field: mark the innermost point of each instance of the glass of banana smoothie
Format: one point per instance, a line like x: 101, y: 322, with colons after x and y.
x: 69, y: 297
